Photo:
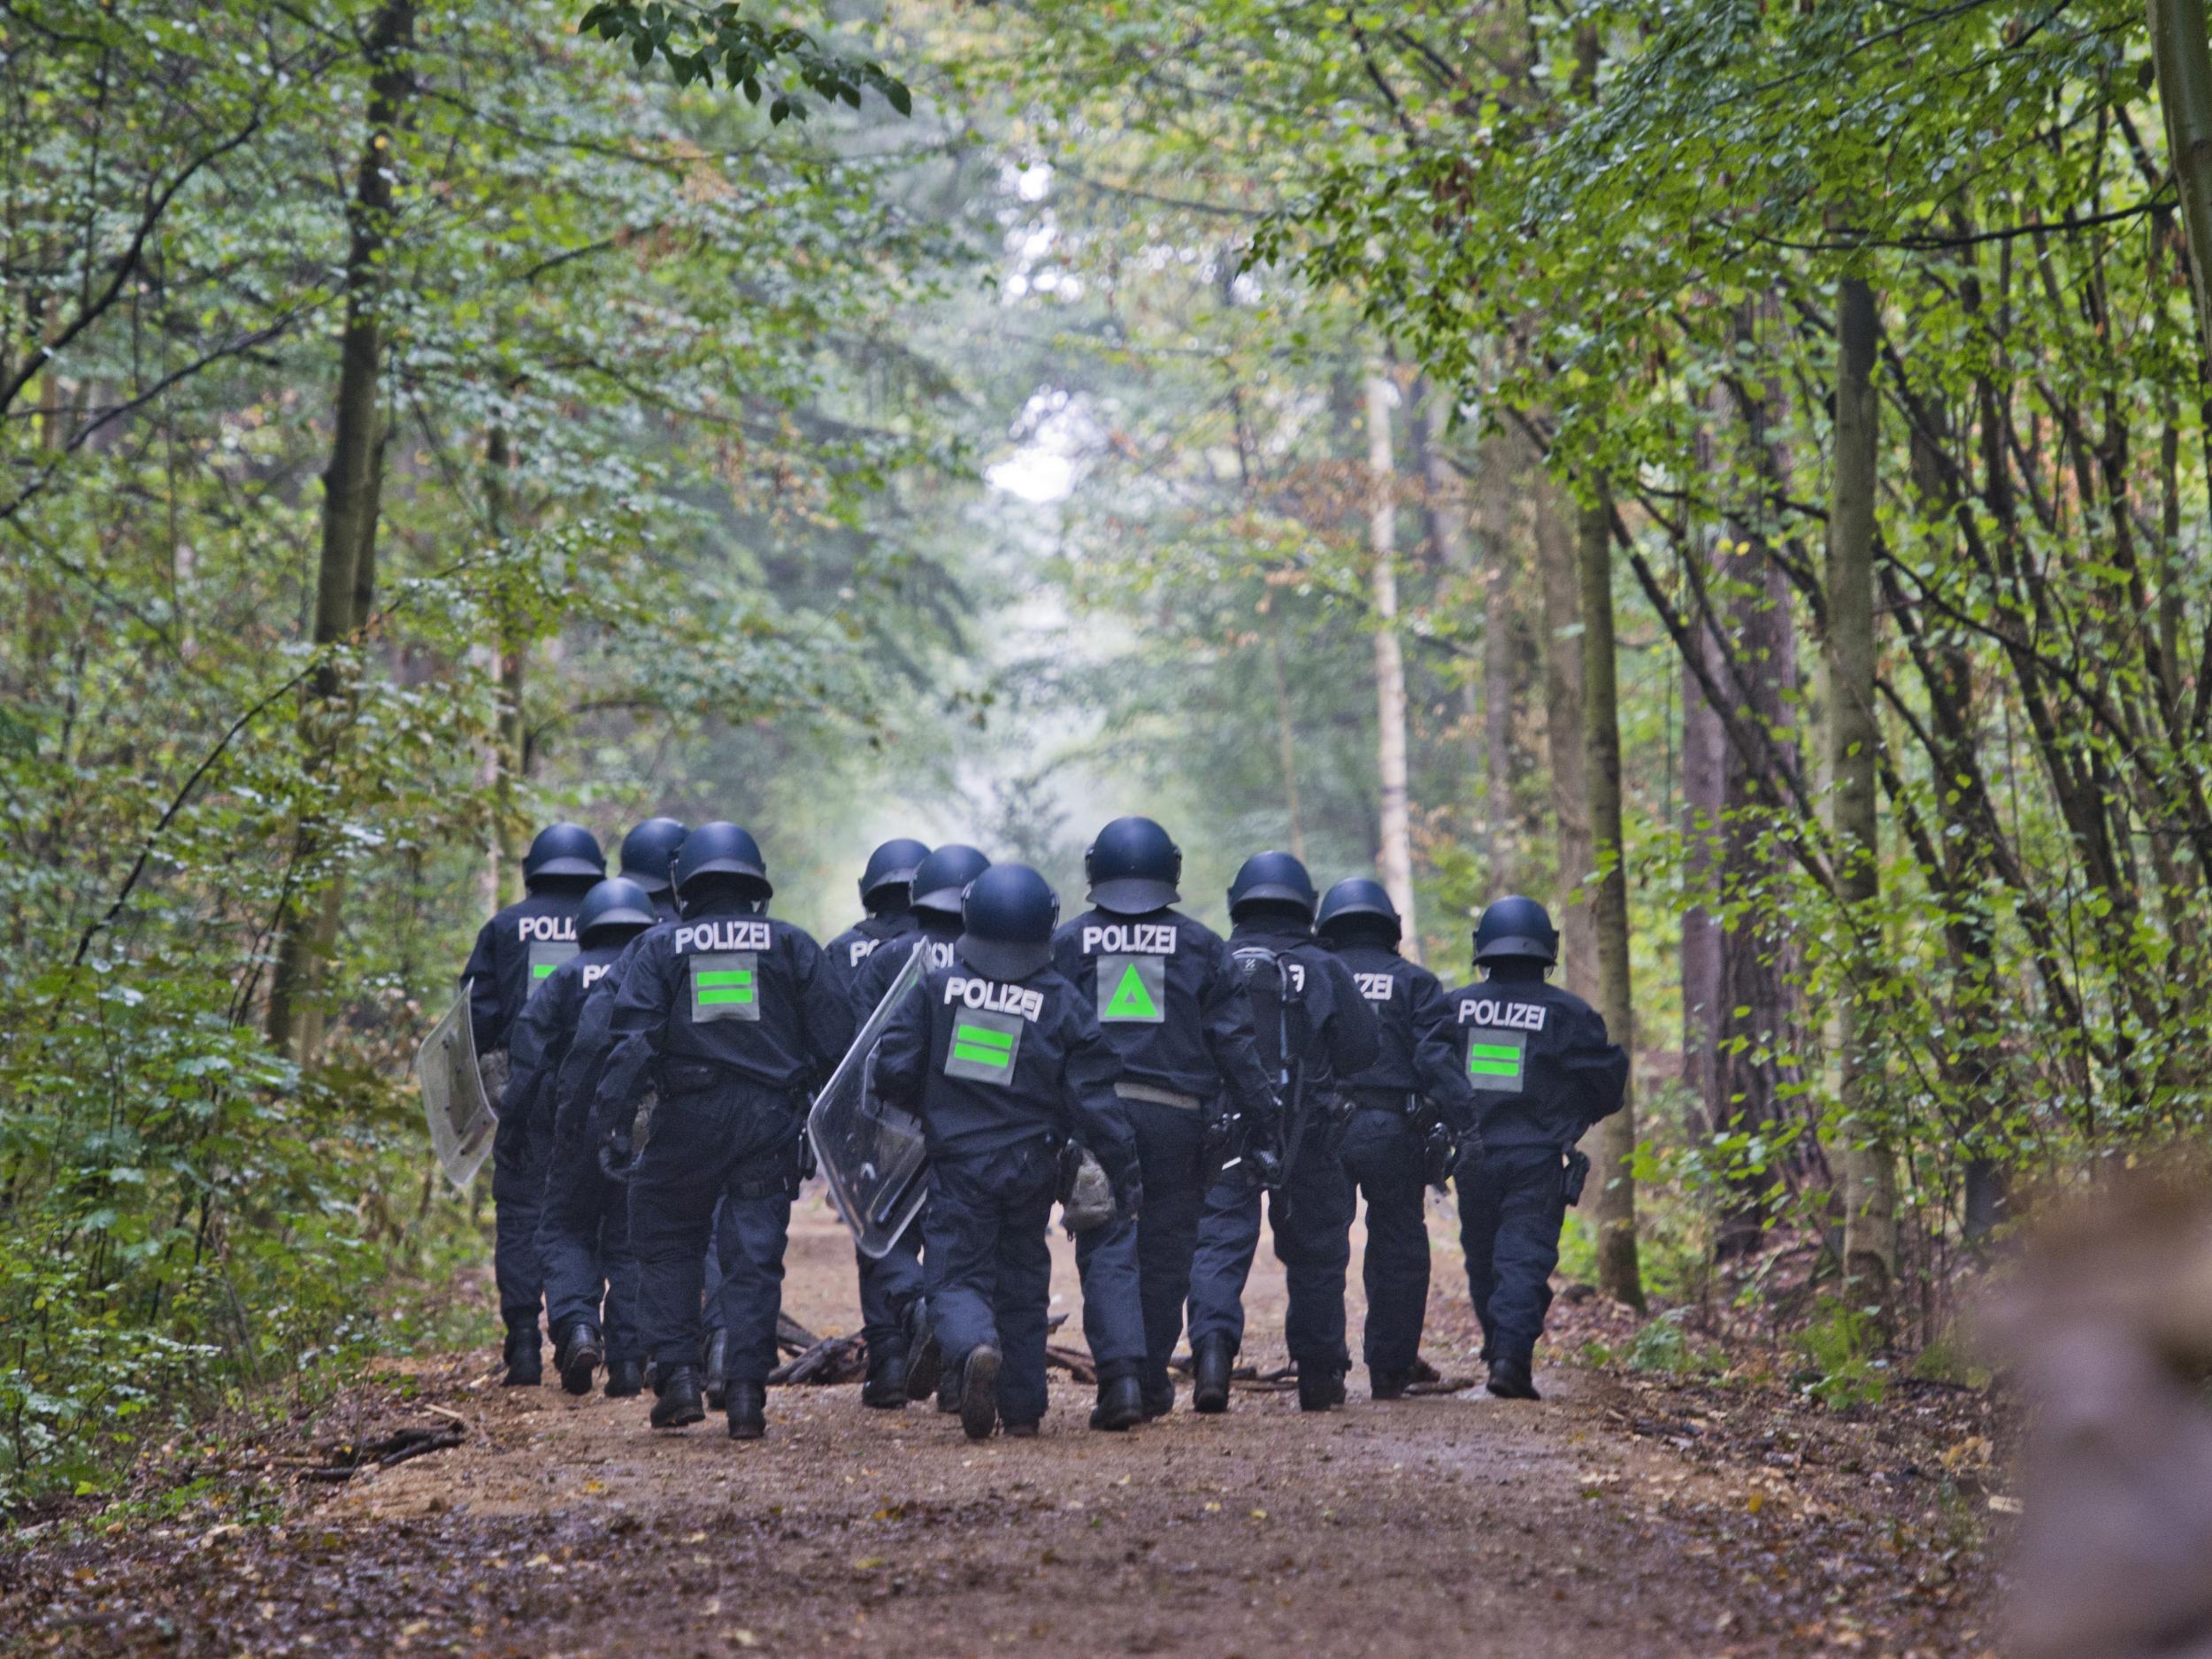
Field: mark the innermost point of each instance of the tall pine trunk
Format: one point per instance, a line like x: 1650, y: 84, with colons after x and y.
x: 345, y: 587
x: 1395, y: 824
x: 1869, y: 1247
x: 1614, y: 1152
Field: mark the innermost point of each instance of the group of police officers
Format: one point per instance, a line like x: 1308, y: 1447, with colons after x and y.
x: 653, y: 1041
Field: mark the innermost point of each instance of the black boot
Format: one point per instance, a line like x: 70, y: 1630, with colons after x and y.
x: 525, y: 1363
x: 886, y: 1386
x: 576, y: 1355
x: 1212, y: 1362
x: 979, y: 1391
x: 925, y: 1357
x: 716, y: 1363
x: 679, y: 1405
x: 1387, y: 1385
x: 626, y: 1379
x: 1509, y: 1379
x: 948, y: 1394
x: 1159, y: 1396
x: 1121, y: 1405
x: 748, y: 1410
x: 1317, y: 1390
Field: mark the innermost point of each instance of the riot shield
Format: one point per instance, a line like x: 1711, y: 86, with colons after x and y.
x: 453, y: 1099
x: 871, y: 1152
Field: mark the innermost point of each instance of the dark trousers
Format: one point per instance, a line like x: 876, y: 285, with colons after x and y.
x: 1509, y: 1217
x: 987, y: 1268
x: 1136, y: 1274
x: 1385, y: 1160
x: 889, y: 1284
x: 584, y: 1246
x: 1312, y: 1219
x: 520, y: 1148
x: 736, y: 1147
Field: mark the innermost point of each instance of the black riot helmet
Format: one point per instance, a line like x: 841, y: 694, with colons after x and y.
x: 563, y: 852
x: 721, y: 852
x: 616, y: 909
x: 941, y: 878
x: 1007, y: 920
x: 1134, y: 867
x: 891, y: 866
x: 648, y: 852
x: 1515, y: 929
x: 1358, y: 904
x: 1270, y: 881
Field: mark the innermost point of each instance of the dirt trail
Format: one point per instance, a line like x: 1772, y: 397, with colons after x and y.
x: 1449, y: 1525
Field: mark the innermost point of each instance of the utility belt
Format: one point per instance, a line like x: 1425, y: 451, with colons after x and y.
x: 1147, y: 1093
x: 677, y: 1079
x: 1399, y: 1102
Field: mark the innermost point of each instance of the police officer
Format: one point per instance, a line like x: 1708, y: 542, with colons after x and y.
x: 648, y: 858
x: 517, y: 948
x: 1414, y: 1090
x: 1538, y: 1060
x: 733, y: 1016
x: 892, y: 1307
x: 1001, y: 1060
x: 1172, y: 1002
x: 889, y: 1285
x: 1312, y: 1027
x: 613, y: 913
x: 886, y: 891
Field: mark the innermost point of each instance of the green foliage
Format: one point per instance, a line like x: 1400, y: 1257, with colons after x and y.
x: 1663, y: 1346
x: 694, y: 40
x: 636, y: 441
x: 1840, y: 1362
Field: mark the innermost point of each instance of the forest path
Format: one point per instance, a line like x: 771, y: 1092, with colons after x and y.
x: 1445, y: 1526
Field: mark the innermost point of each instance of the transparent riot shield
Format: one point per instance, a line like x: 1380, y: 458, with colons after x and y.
x: 871, y: 1152
x: 461, y: 1116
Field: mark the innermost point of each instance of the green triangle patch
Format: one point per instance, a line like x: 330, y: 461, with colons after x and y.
x: 1131, y: 1000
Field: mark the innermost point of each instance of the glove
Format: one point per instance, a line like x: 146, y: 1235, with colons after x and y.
x: 1468, y: 1151
x: 615, y: 1161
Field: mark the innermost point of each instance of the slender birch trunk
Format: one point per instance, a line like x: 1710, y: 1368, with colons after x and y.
x: 1390, y: 670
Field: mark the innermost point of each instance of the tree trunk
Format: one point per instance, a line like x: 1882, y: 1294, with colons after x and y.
x: 509, y: 831
x: 1447, y: 518
x: 1390, y: 670
x: 1704, y: 785
x: 2184, y: 94
x: 1870, y: 1247
x: 1502, y: 666
x: 1559, y: 565
x: 1614, y: 1152
x: 346, y: 569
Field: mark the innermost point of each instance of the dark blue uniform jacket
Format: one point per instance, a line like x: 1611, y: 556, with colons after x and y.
x: 1164, y: 991
x: 724, y: 997
x: 989, y: 1064
x: 515, y: 951
x: 1327, y: 1018
x: 1420, y: 1053
x: 1538, y: 1059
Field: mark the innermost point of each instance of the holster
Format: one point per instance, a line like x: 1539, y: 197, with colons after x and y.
x: 1574, y: 1175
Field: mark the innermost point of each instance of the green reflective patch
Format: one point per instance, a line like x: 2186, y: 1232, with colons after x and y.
x: 1495, y: 1059
x: 984, y: 1045
x: 1132, y: 988
x: 725, y: 985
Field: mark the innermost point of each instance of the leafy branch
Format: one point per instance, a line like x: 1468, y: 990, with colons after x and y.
x: 695, y: 41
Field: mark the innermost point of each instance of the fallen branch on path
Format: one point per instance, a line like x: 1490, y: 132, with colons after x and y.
x: 347, y: 1459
